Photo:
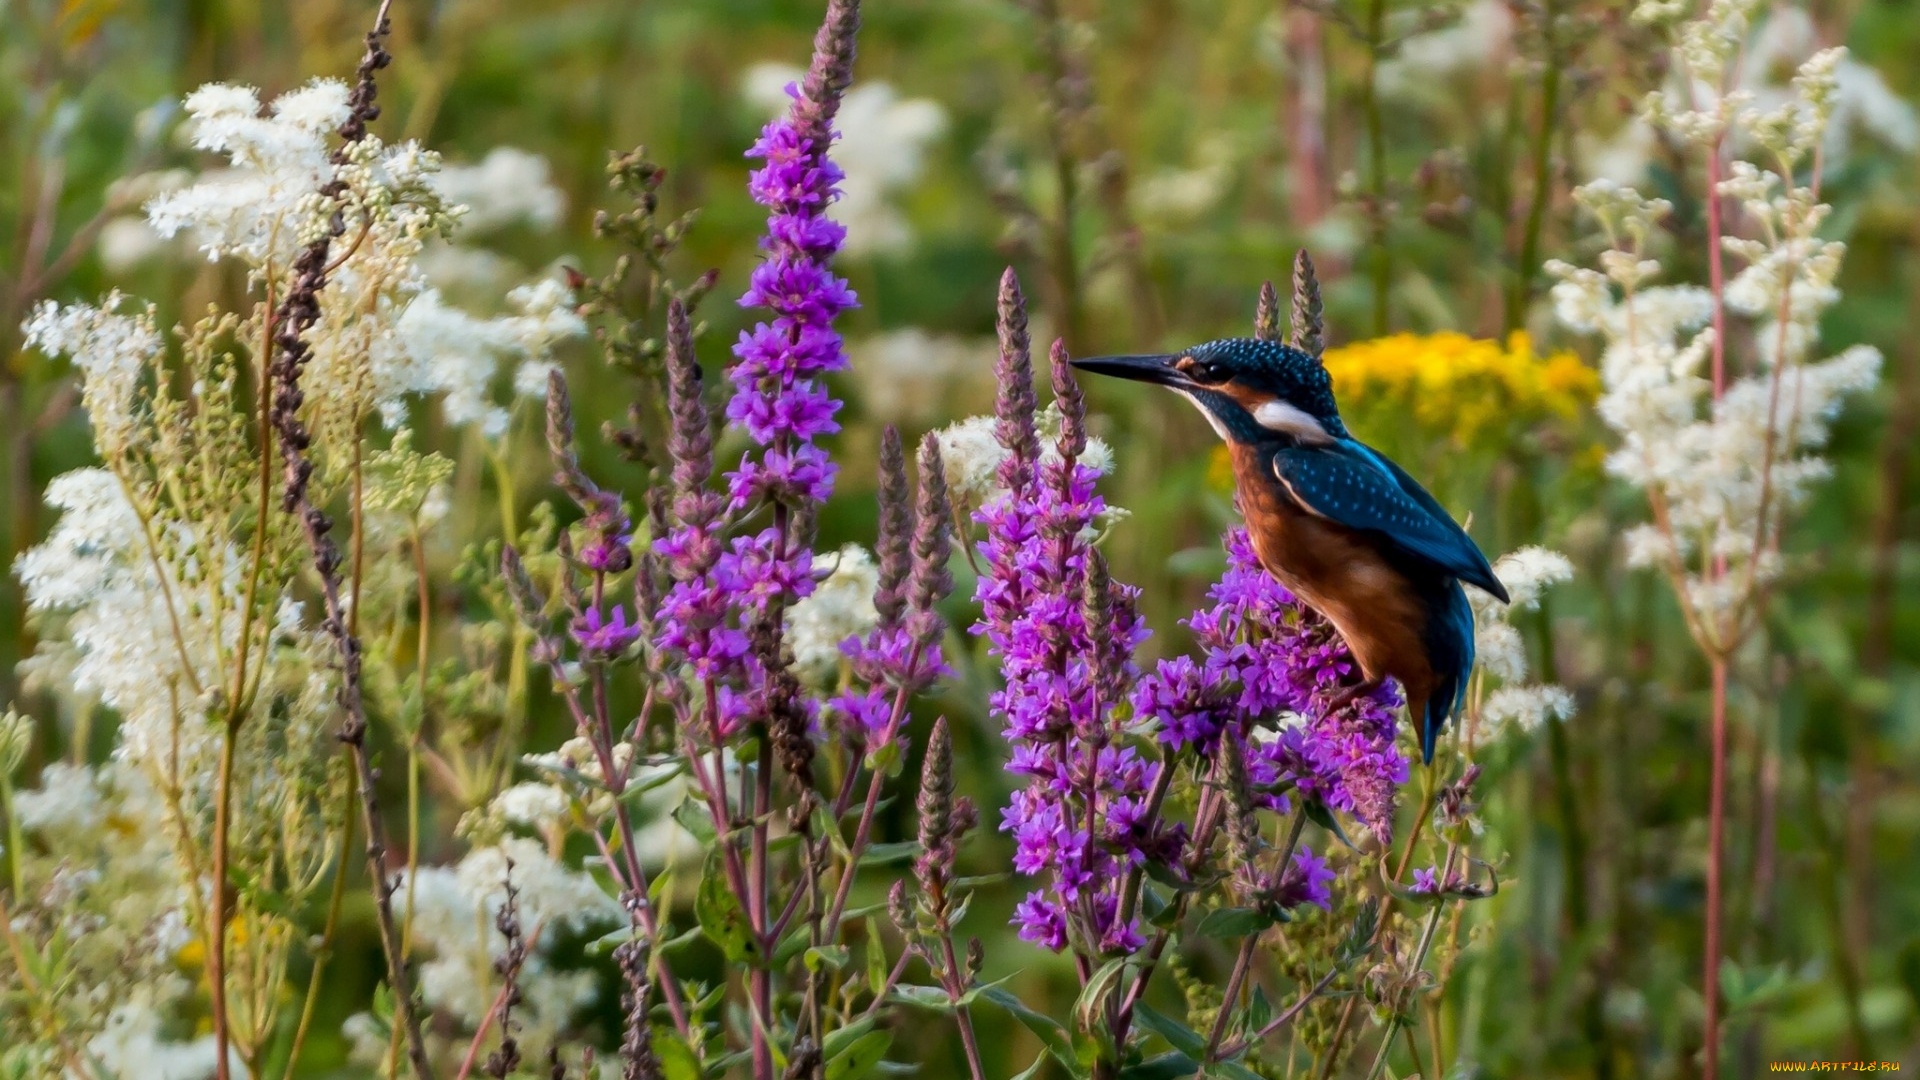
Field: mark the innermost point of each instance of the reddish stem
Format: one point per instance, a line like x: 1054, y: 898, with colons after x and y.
x: 1716, y: 841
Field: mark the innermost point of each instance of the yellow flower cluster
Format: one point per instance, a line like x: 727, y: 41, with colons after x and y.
x: 1463, y: 388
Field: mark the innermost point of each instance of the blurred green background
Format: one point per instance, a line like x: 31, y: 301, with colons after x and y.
x: 1145, y: 165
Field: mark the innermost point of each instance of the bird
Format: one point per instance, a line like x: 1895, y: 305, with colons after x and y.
x: 1337, y: 522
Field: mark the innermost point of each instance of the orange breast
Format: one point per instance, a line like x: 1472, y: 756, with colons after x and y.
x: 1340, y: 573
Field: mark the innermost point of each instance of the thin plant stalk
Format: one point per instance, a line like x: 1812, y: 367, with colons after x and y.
x: 1382, y: 255
x: 1542, y: 165
x: 336, y: 900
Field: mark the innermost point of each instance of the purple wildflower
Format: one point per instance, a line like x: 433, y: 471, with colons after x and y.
x: 721, y: 617
x: 1306, y: 881
x: 1264, y: 654
x: 778, y: 396
x: 607, y: 636
x: 1426, y: 882
x: 1041, y: 921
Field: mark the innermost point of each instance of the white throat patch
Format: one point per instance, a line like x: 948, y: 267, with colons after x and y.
x: 1277, y: 415
x: 1218, y: 428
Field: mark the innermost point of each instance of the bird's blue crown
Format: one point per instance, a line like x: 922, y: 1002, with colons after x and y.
x: 1295, y: 377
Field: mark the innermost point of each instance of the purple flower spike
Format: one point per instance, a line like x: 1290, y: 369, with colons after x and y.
x: 778, y: 398
x: 1064, y: 634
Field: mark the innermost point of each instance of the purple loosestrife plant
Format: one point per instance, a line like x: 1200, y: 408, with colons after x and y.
x: 1162, y: 810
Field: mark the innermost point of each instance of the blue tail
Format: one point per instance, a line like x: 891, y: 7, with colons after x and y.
x: 1450, y: 650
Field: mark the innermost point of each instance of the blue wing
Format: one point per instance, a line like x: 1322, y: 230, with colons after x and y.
x: 1356, y: 486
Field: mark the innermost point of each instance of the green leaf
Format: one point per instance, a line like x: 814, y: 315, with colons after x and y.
x: 694, y: 818
x: 887, y: 854
x: 1094, y: 995
x: 831, y: 956
x: 1359, y: 939
x: 1318, y: 813
x: 1259, y: 1009
x: 1180, y: 1036
x: 973, y: 994
x: 677, y: 1061
x: 860, y: 1058
x: 721, y: 917
x: 1055, y: 1037
x: 885, y: 759
x: 926, y: 997
x: 1234, y: 922
x: 1168, y: 873
x: 1033, y: 1071
x: 1168, y: 1066
x: 877, y: 970
x: 842, y: 1037
x: 795, y: 943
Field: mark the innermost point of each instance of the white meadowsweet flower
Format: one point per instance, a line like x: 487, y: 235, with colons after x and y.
x: 1527, y: 707
x: 1479, y: 39
x: 67, y: 804
x: 535, y: 805
x: 132, y: 1044
x: 840, y: 607
x: 971, y: 457
x: 1499, y: 651
x: 910, y: 376
x: 256, y: 209
x: 452, y: 911
x: 112, y: 351
x: 1528, y: 572
x: 508, y: 187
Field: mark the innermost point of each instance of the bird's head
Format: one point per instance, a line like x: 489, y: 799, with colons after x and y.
x: 1251, y: 391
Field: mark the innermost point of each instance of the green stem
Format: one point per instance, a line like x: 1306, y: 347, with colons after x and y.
x: 1377, y: 165
x: 1542, y: 195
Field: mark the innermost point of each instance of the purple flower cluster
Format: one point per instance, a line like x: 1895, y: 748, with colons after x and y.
x: 779, y: 398
x: 724, y: 590
x: 1065, y: 636
x: 1264, y: 654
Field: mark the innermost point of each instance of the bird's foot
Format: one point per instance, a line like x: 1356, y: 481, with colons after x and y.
x: 1346, y: 694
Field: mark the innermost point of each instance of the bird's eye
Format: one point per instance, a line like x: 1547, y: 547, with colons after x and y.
x: 1207, y: 372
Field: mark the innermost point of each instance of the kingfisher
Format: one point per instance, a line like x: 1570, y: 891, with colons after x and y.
x: 1337, y: 522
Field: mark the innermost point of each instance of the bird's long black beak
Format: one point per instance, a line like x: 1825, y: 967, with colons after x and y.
x: 1152, y: 369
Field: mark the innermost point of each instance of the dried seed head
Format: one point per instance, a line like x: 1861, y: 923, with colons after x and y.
x: 1014, y: 408
x: 1309, y: 328
x: 932, y: 545
x: 1266, y: 317
x: 1073, y: 405
x: 893, y: 542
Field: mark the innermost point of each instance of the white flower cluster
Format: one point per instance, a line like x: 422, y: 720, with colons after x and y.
x: 508, y: 187
x: 112, y: 352
x: 451, y: 910
x: 972, y: 456
x: 112, y: 894
x: 265, y: 206
x: 144, y: 636
x: 1722, y: 469
x: 882, y: 146
x: 1501, y: 654
x: 911, y: 376
x: 1862, y: 105
x: 840, y: 607
x: 260, y: 210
